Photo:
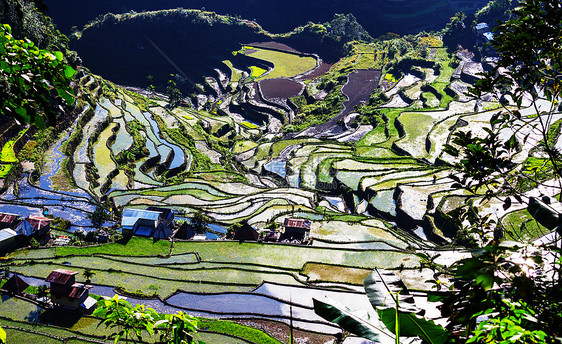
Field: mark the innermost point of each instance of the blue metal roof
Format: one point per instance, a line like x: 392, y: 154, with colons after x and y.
x: 131, y: 216
x: 489, y: 36
x: 481, y: 26
x: 25, y: 228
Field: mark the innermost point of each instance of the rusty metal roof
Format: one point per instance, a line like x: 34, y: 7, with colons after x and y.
x: 60, y: 276
x: 297, y: 223
x: 8, y: 218
x: 78, y: 290
x: 38, y: 222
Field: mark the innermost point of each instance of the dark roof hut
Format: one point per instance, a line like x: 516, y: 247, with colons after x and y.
x: 15, y: 285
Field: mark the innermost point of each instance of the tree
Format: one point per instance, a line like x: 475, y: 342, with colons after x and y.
x: 200, y: 222
x: 510, y: 292
x: 174, y: 94
x: 35, y: 83
x: 42, y: 292
x: 88, y: 274
x: 99, y: 216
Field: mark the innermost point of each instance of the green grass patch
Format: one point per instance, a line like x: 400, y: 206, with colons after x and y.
x: 390, y: 78
x: 136, y: 246
x: 102, y: 154
x: 286, y: 64
x: 147, y: 280
x: 36, y: 327
x: 235, y: 73
x: 7, y: 154
x: 249, y: 125
x: 294, y: 257
x: 521, y: 226
x: 280, y: 145
x: 22, y: 336
x: 243, y: 146
x: 366, y: 61
x: 228, y: 327
x: 201, y: 194
x: 262, y: 152
x: 256, y: 72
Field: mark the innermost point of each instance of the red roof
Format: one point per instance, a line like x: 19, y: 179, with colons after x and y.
x: 78, y: 290
x: 38, y: 222
x: 60, y: 276
x: 297, y: 223
x: 8, y: 218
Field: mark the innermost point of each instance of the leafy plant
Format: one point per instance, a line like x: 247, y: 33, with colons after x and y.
x: 510, y: 292
x: 177, y: 328
x: 398, y: 320
x: 35, y: 82
x: 88, y: 274
x: 130, y: 323
x: 134, y: 323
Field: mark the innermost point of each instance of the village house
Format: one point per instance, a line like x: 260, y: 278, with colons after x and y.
x: 295, y: 230
x: 67, y: 294
x: 153, y: 222
x: 483, y: 34
x: 34, y: 226
x: 15, y: 232
x: 245, y: 232
x: 15, y: 285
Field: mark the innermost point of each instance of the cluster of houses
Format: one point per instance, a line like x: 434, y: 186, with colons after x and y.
x: 16, y: 231
x: 158, y: 223
x: 154, y: 222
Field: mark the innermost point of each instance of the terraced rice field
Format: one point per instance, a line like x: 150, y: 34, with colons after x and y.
x: 286, y: 64
x: 368, y: 198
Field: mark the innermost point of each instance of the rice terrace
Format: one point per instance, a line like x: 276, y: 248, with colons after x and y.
x: 265, y: 183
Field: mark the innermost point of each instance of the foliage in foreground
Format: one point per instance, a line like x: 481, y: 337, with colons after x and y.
x: 396, y: 314
x: 136, y: 323
x: 506, y: 292
x: 510, y: 292
x: 35, y: 82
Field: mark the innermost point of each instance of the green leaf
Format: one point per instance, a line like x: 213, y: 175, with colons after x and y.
x: 69, y: 72
x: 378, y: 286
x: 486, y: 280
x: 23, y: 113
x: 58, y: 55
x: 68, y: 98
x: 347, y: 320
x: 412, y: 326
